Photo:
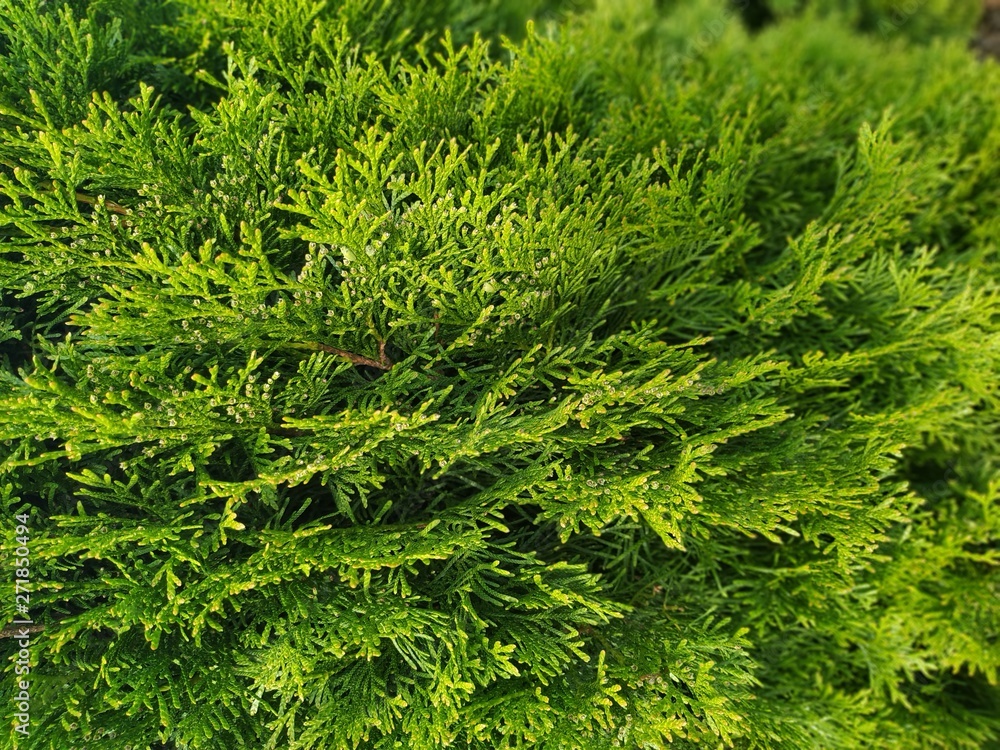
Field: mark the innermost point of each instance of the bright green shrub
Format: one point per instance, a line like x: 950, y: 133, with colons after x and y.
x: 598, y: 390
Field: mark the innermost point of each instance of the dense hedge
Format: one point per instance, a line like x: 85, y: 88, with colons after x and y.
x: 632, y: 383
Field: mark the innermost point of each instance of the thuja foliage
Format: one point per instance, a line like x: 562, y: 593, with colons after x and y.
x: 375, y: 379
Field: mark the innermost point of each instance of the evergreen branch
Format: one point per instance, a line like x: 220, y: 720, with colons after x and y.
x: 619, y: 362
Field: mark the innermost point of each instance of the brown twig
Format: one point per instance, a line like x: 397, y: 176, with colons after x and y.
x: 382, y: 363
x: 12, y: 631
x: 116, y: 208
x: 110, y: 205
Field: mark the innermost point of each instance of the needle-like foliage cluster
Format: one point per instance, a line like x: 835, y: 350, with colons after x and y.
x: 396, y: 375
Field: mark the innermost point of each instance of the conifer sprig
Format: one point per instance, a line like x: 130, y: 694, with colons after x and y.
x: 374, y: 378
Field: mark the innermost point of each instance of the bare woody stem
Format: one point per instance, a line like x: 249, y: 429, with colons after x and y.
x: 90, y: 200
x: 382, y: 363
x: 81, y: 197
x: 15, y: 630
x: 110, y: 205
